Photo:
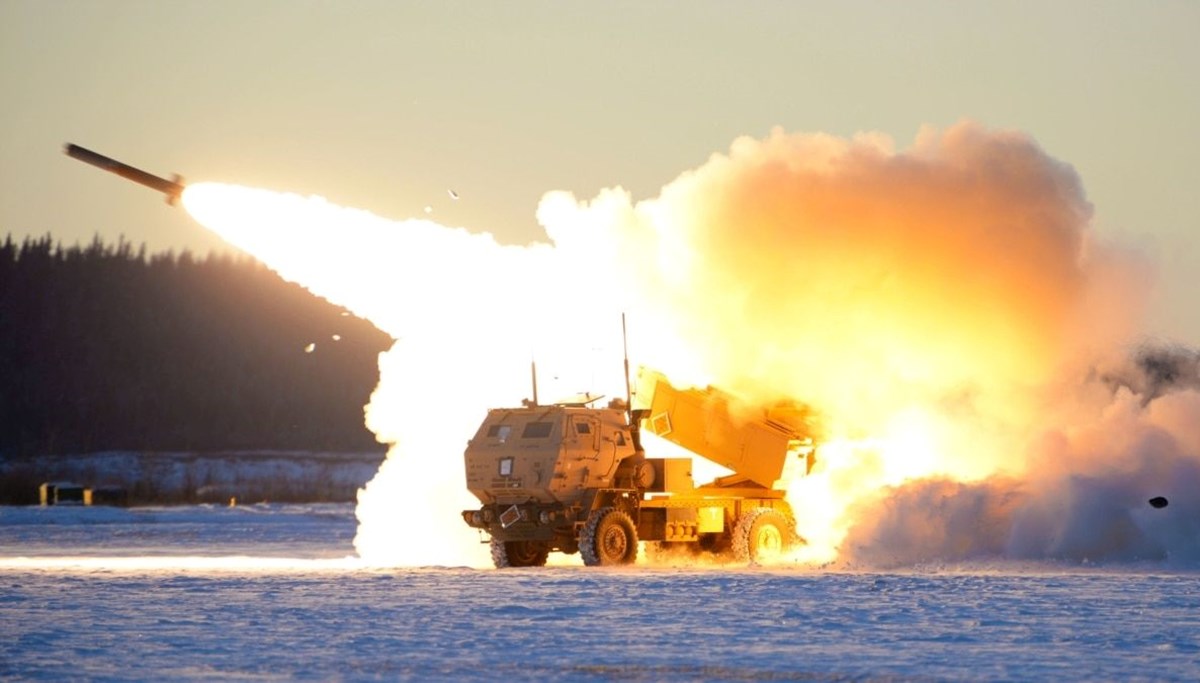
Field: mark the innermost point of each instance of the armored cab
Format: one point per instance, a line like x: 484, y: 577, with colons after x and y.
x: 573, y: 478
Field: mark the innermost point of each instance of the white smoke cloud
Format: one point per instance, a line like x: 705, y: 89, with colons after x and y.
x: 1085, y: 494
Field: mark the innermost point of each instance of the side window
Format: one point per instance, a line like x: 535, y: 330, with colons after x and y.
x: 583, y: 428
x: 620, y: 438
x: 537, y: 430
x: 506, y: 467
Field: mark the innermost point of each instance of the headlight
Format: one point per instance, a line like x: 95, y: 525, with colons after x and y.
x: 544, y: 516
x: 477, y: 518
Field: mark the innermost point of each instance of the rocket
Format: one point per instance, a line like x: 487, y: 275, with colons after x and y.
x: 173, y: 188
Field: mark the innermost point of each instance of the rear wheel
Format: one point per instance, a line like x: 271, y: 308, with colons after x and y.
x: 609, y: 538
x: 761, y: 535
x: 519, y: 553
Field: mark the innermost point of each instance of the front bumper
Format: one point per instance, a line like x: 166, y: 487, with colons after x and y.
x: 520, y: 521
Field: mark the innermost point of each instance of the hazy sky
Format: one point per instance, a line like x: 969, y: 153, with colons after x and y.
x: 388, y: 105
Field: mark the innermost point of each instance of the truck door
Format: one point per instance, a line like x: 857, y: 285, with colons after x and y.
x: 585, y: 432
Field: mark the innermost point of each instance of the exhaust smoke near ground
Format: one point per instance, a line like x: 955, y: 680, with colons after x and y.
x: 968, y: 342
x: 468, y: 315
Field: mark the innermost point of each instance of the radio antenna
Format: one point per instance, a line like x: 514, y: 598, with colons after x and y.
x: 625, y: 345
x: 533, y: 378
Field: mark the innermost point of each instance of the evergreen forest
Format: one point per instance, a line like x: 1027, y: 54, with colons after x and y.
x: 103, y: 348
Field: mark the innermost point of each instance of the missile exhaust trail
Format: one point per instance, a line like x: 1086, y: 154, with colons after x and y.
x: 171, y: 188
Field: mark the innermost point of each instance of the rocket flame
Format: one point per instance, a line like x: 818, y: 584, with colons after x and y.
x: 936, y: 306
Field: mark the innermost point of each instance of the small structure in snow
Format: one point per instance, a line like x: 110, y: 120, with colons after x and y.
x: 60, y: 493
x: 106, y: 495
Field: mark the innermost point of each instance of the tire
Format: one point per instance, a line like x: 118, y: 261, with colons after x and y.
x: 609, y: 538
x: 519, y: 553
x: 761, y: 535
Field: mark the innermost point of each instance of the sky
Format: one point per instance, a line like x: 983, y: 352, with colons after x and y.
x: 395, y: 107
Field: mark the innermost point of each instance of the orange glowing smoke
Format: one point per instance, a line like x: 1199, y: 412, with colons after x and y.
x: 925, y: 301
x: 930, y: 303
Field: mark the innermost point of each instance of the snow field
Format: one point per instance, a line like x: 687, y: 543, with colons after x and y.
x: 276, y: 615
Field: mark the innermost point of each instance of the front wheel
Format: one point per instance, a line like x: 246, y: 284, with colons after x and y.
x: 608, y: 538
x: 519, y: 553
x: 761, y: 535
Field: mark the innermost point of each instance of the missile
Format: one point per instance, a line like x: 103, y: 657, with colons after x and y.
x: 172, y: 188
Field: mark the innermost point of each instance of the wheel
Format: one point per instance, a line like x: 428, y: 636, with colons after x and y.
x: 609, y: 538
x: 761, y: 535
x: 519, y: 553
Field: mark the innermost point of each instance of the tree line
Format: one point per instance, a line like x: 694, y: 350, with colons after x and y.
x: 104, y: 347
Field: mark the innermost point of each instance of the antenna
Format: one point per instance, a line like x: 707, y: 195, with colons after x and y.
x: 625, y: 345
x: 533, y: 374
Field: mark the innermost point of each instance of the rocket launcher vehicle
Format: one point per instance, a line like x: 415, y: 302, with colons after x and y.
x: 573, y: 477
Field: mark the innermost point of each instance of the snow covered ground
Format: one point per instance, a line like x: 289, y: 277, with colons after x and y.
x: 271, y: 592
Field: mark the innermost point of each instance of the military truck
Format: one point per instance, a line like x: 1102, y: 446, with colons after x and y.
x: 574, y: 478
